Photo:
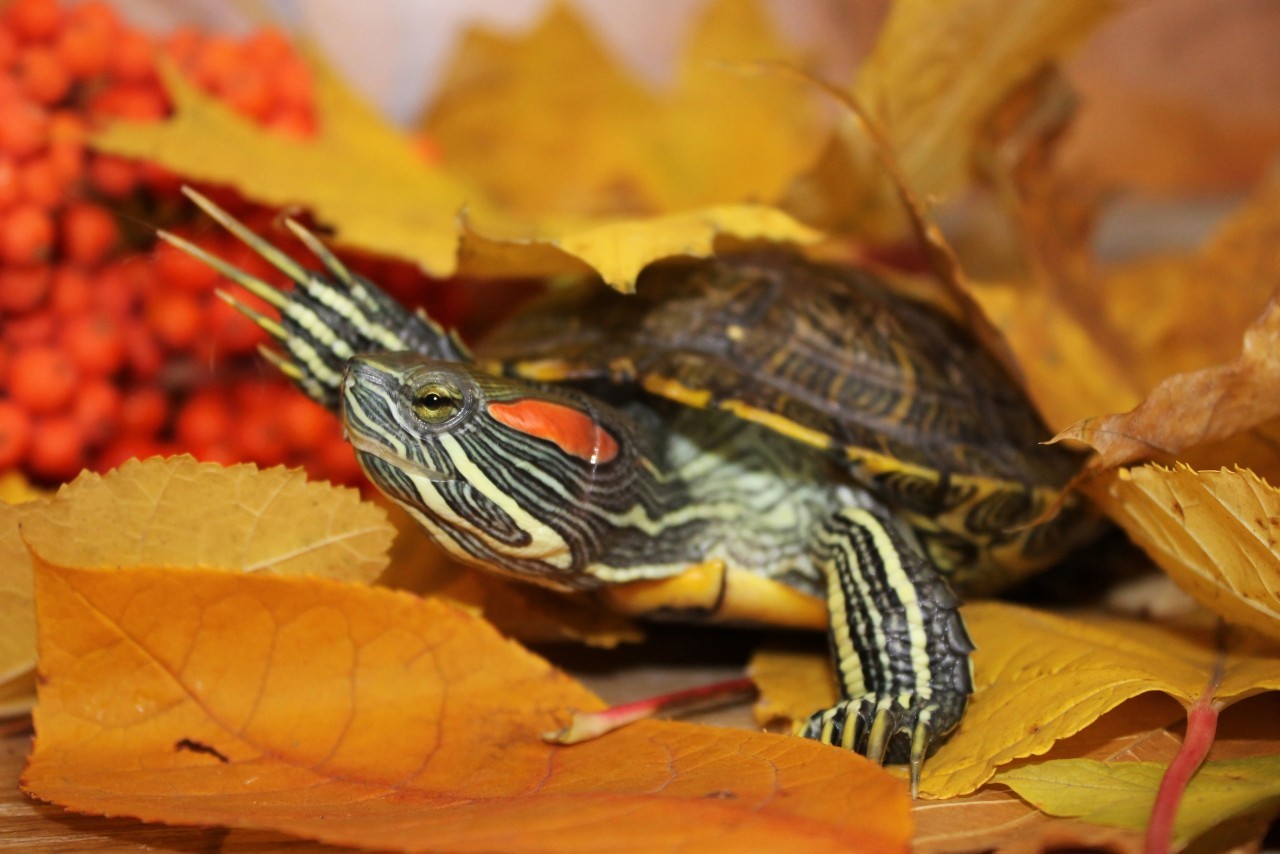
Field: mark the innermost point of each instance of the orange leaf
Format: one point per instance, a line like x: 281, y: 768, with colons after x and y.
x: 368, y: 717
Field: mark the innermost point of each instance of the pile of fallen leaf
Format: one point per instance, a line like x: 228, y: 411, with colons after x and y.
x: 210, y: 650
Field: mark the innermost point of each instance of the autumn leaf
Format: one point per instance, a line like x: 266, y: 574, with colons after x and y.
x: 998, y: 820
x: 938, y: 71
x: 16, y: 489
x: 1193, y: 305
x: 1069, y: 375
x: 366, y: 180
x: 509, y: 105
x: 1216, y: 533
x: 1195, y: 408
x: 1121, y: 794
x: 1041, y: 677
x: 179, y: 512
x: 363, y: 716
x: 18, y: 635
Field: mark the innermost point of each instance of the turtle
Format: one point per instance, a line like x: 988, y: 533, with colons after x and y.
x: 751, y: 437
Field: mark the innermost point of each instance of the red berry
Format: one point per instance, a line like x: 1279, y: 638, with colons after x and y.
x: 23, y: 288
x: 146, y: 355
x: 217, y: 62
x: 42, y: 379
x: 70, y: 293
x: 43, y: 184
x: 260, y: 436
x: 10, y: 183
x: 113, y: 176
x: 127, y: 447
x: 30, y: 329
x: 26, y: 234
x: 97, y: 409
x: 15, y: 434
x: 34, y: 20
x: 144, y: 410
x: 57, y: 448
x: 337, y: 462
x: 96, y: 343
x: 205, y: 420
x: 118, y: 287
x: 135, y: 102
x: 134, y: 58
x: 176, y: 318
x: 24, y: 127
x: 309, y: 424
x: 85, y: 47
x: 89, y: 233
x: 232, y: 332
x: 175, y: 268
x: 43, y: 75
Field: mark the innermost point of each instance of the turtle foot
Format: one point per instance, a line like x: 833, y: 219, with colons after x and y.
x: 870, y: 725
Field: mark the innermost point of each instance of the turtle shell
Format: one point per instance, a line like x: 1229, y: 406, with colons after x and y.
x: 830, y: 356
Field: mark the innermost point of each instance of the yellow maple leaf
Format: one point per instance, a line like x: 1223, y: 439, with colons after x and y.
x: 937, y: 73
x: 364, y: 179
x: 363, y: 716
x: 510, y: 105
x: 1040, y: 678
x: 179, y: 512
x: 1217, y: 534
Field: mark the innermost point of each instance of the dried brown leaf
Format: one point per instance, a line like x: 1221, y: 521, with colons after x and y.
x: 1196, y: 408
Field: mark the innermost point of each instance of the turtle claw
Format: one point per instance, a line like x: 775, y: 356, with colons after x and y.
x: 870, y: 726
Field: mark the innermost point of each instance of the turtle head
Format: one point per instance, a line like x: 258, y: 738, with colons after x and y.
x: 508, y: 474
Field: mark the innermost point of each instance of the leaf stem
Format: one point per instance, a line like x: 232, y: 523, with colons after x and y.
x: 588, y: 725
x: 1202, y: 726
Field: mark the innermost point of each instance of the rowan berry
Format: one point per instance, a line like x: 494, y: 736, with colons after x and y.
x: 15, y: 434
x: 26, y: 234
x: 310, y: 425
x: 43, y: 75
x: 42, y: 378
x: 97, y: 408
x: 57, y: 449
x: 89, y: 233
x: 10, y: 183
x: 133, y: 60
x: 24, y: 127
x: 204, y: 420
x: 145, y: 354
x: 95, y: 342
x: 260, y: 436
x: 70, y: 291
x: 23, y: 288
x: 177, y: 269
x: 85, y: 47
x: 42, y: 182
x: 33, y: 20
x: 176, y: 318
x: 144, y: 410
x: 30, y: 329
x: 113, y: 176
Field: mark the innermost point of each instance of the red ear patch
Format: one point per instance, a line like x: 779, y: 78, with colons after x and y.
x: 574, y: 431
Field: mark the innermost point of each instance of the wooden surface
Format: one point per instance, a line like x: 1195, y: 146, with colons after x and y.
x: 681, y: 658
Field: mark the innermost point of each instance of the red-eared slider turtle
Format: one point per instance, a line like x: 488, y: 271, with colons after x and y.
x: 748, y: 437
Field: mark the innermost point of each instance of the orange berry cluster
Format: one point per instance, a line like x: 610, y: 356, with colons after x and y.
x: 107, y: 350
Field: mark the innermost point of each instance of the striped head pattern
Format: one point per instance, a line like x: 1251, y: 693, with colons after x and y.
x: 514, y: 476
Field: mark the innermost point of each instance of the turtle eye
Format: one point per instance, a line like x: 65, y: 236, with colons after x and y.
x: 436, y: 402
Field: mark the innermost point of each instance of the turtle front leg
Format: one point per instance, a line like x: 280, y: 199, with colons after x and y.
x: 900, y: 647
